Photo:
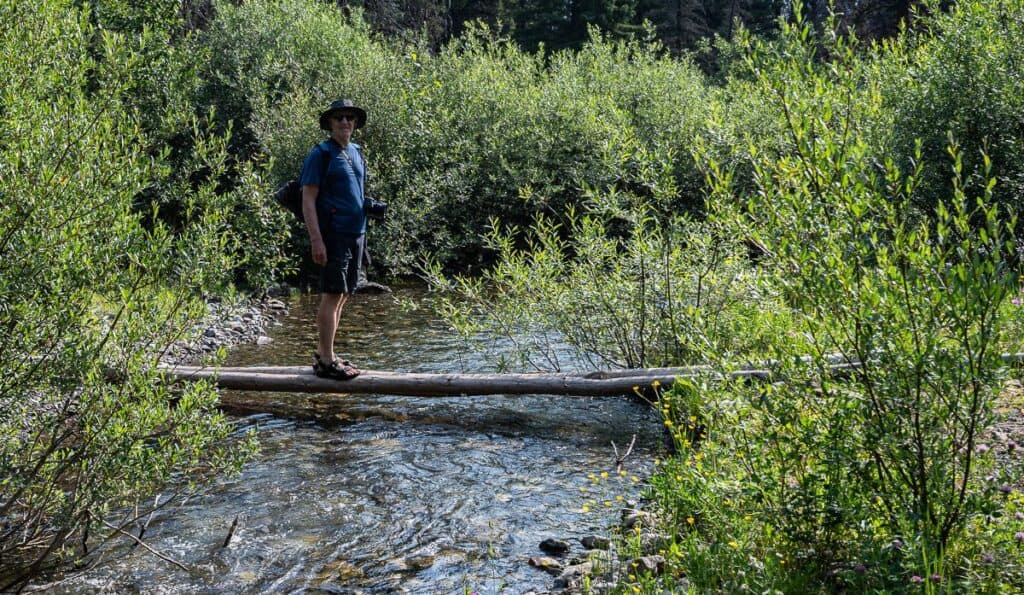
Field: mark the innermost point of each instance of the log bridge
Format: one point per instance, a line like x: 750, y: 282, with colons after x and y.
x: 300, y: 379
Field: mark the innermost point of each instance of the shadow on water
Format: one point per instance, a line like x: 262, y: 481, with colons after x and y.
x: 383, y: 494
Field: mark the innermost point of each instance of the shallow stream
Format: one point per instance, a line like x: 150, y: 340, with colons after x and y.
x: 384, y: 494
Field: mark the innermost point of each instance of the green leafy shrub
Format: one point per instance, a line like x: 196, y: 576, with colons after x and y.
x: 91, y: 285
x: 960, y: 74
x: 620, y: 287
x: 876, y: 478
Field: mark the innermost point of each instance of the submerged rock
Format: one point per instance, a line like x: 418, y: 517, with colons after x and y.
x: 419, y: 562
x: 554, y: 546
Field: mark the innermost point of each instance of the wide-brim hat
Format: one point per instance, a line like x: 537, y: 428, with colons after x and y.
x: 340, y: 105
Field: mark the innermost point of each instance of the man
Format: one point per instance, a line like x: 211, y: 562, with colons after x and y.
x: 332, y: 180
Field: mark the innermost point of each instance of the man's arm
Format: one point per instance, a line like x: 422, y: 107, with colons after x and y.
x: 309, y: 194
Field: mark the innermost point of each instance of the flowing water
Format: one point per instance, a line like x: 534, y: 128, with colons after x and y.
x: 386, y: 494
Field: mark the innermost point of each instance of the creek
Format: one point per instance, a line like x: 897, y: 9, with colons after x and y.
x: 382, y: 494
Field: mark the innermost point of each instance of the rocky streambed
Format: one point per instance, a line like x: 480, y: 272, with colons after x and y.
x: 227, y: 324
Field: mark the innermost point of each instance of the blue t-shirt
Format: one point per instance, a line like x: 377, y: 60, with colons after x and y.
x: 339, y: 206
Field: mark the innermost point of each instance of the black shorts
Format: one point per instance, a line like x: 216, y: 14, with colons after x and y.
x: 344, y: 253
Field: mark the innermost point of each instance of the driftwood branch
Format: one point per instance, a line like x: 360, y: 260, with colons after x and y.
x: 145, y: 525
x: 231, y: 532
x: 162, y: 556
x: 619, y: 460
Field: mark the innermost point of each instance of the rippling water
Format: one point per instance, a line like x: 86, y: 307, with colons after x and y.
x: 393, y: 494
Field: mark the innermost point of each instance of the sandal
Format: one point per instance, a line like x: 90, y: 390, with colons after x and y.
x: 336, y: 370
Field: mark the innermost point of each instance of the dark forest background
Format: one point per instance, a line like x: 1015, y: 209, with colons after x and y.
x: 682, y: 25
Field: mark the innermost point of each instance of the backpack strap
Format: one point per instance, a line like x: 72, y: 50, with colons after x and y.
x: 325, y: 158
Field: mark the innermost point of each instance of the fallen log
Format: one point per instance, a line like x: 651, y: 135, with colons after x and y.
x: 300, y: 379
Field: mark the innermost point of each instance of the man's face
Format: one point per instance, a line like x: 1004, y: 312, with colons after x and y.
x: 343, y: 122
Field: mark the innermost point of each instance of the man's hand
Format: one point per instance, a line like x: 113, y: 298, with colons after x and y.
x: 309, y: 194
x: 319, y: 251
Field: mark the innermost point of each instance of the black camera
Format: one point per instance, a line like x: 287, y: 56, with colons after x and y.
x: 375, y: 209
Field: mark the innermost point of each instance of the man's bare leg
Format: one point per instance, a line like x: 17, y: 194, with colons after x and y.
x: 327, y: 318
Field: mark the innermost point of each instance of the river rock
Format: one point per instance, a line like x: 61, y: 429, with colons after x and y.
x: 263, y: 340
x: 546, y: 564
x: 632, y: 517
x: 653, y: 565
x: 595, y: 542
x: 653, y: 543
x: 554, y: 546
x: 572, y: 575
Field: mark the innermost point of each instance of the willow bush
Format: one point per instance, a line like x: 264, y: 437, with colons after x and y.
x: 619, y: 286
x: 178, y: 130
x: 480, y: 129
x: 959, y: 73
x: 94, y: 284
x: 880, y: 479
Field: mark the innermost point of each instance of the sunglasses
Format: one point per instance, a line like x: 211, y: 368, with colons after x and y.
x: 343, y: 117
